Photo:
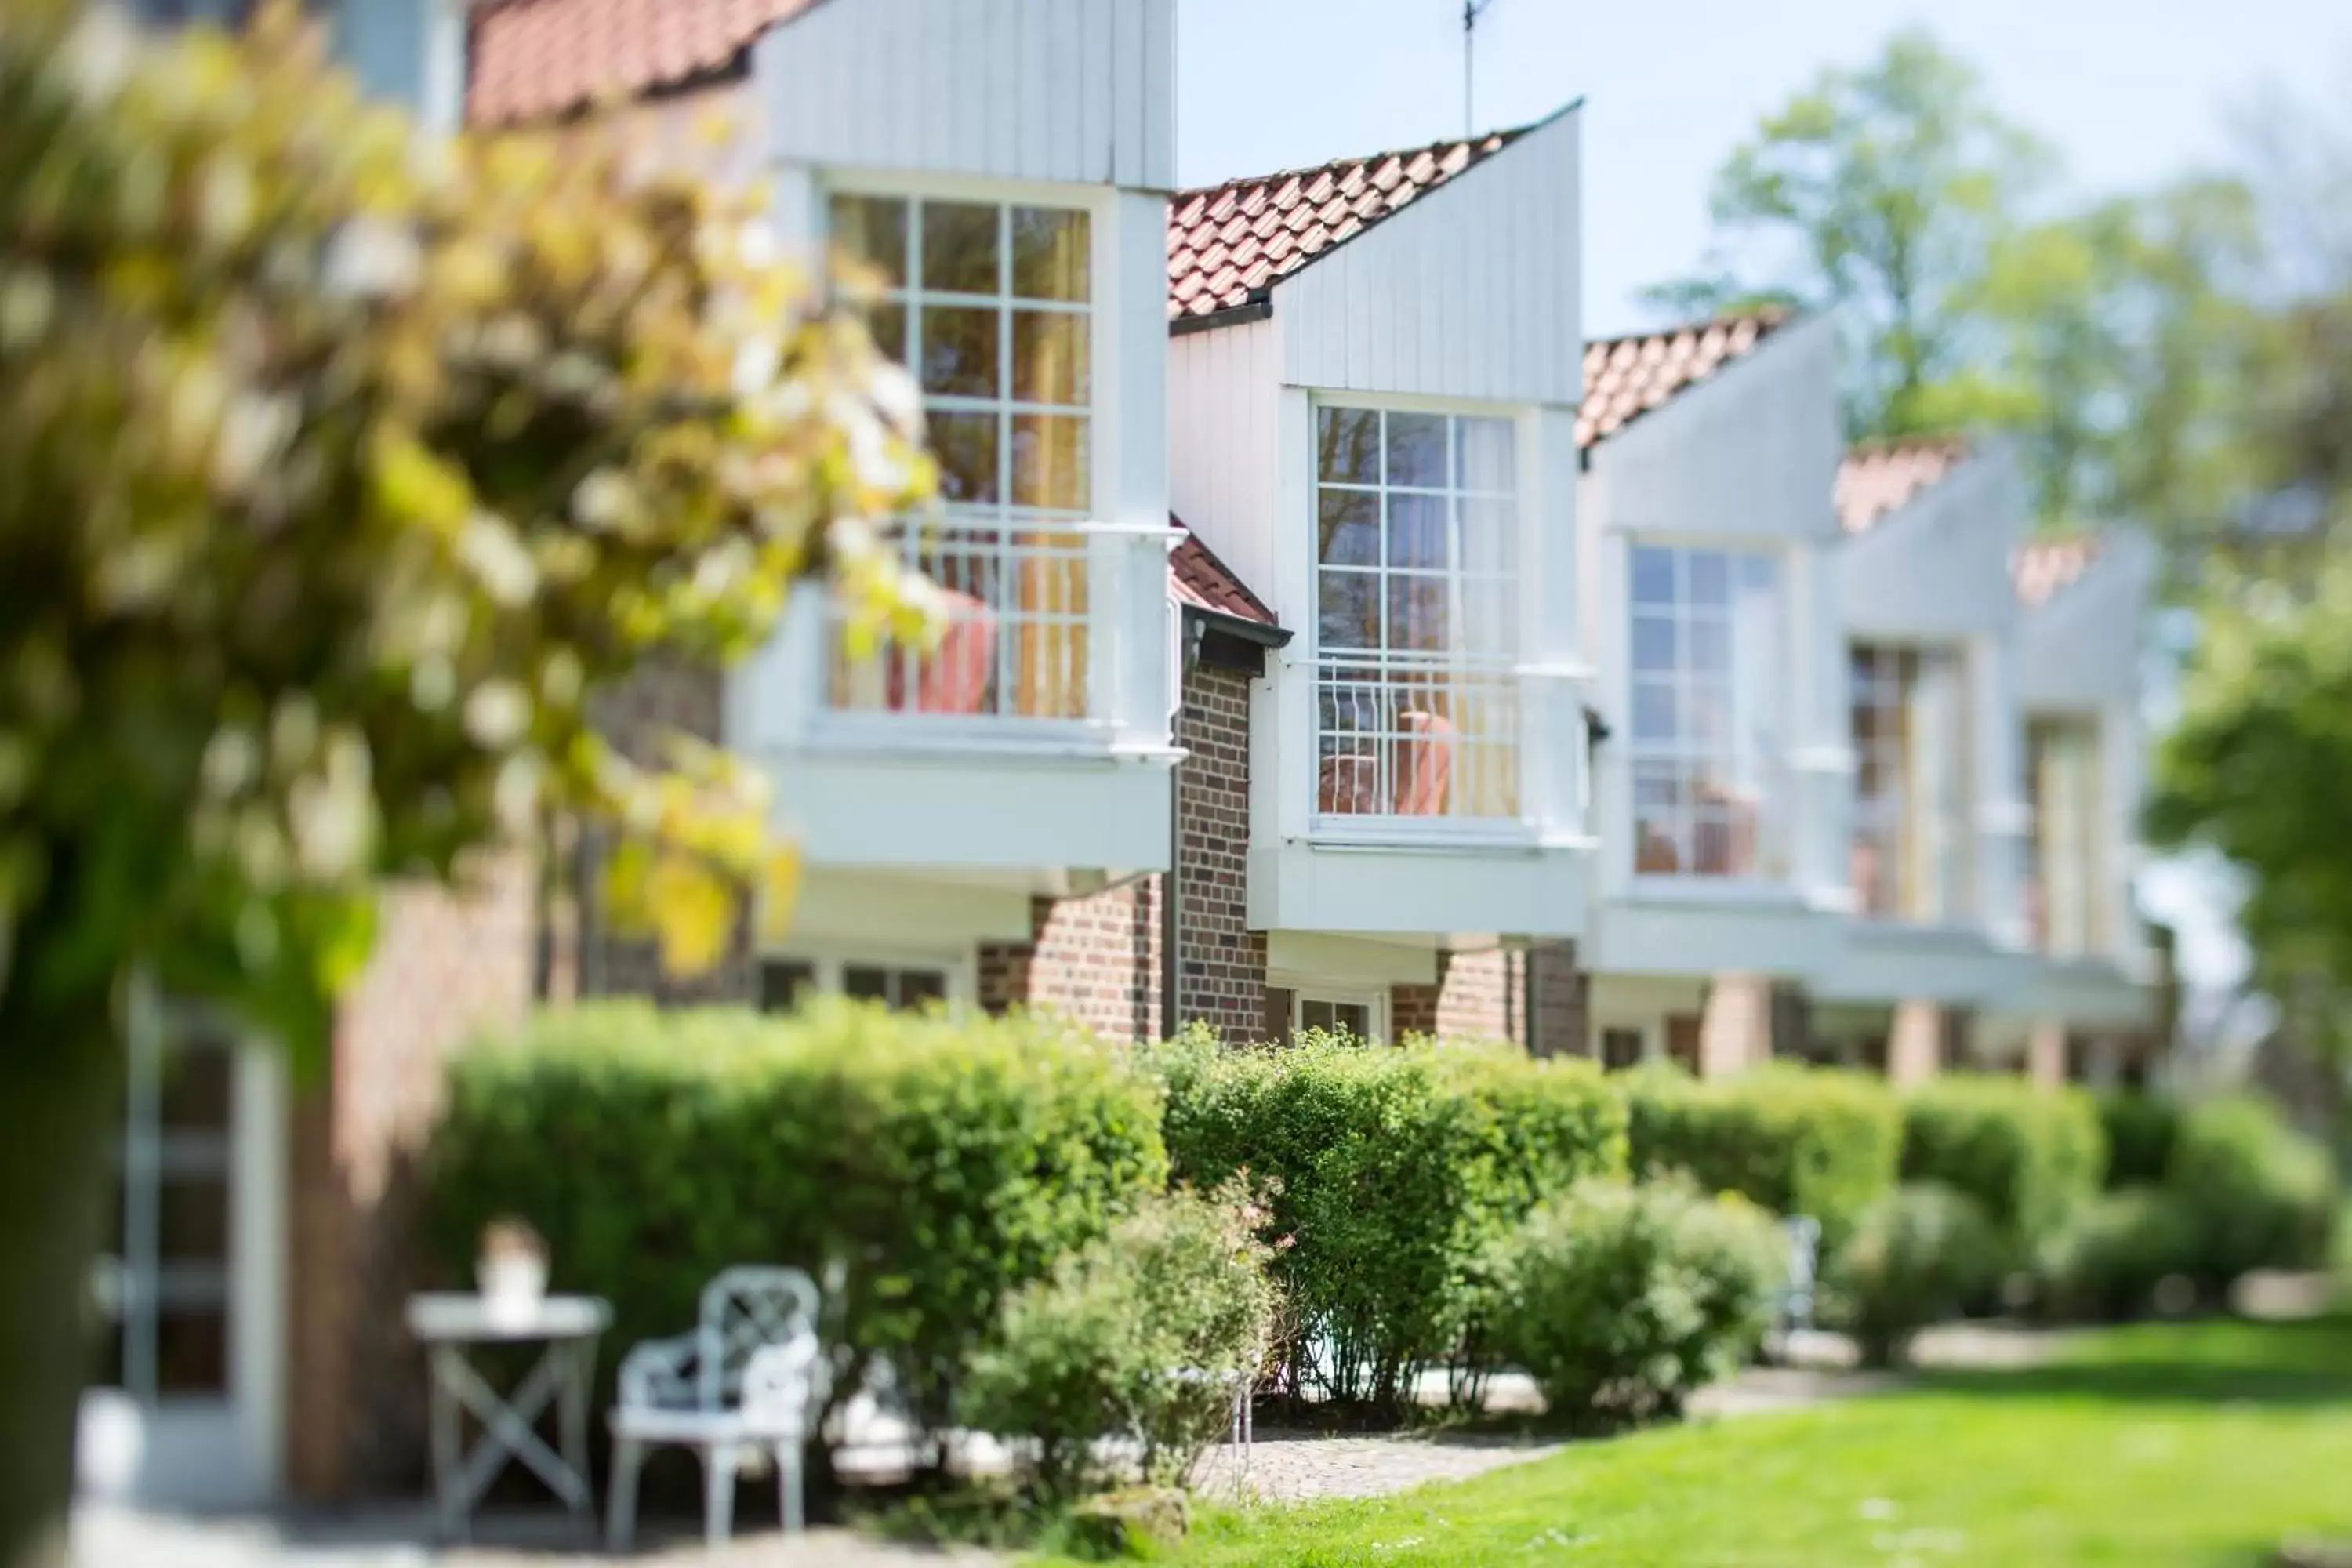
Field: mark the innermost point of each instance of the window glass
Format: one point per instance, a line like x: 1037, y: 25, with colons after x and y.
x: 1708, y: 662
x: 1620, y: 1049
x: 1911, y: 831
x: 2064, y: 872
x: 1417, y: 617
x: 1352, y: 1018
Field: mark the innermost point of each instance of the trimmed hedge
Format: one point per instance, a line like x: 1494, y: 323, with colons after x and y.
x: 2028, y: 1156
x: 2257, y: 1193
x: 1920, y: 1256
x: 1390, y: 1174
x: 934, y: 1165
x: 2141, y: 1130
x: 1798, y: 1141
x: 2106, y: 1264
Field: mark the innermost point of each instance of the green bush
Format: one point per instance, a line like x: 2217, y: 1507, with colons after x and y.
x: 2258, y: 1194
x: 1799, y: 1140
x: 2141, y: 1128
x: 929, y: 1166
x: 1391, y: 1174
x: 2027, y: 1156
x: 1142, y: 1335
x: 1919, y: 1254
x: 2109, y: 1259
x: 1620, y: 1300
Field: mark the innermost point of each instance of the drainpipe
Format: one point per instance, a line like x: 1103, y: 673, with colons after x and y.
x: 1170, y: 903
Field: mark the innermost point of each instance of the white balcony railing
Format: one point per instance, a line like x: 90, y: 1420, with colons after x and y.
x: 1440, y: 741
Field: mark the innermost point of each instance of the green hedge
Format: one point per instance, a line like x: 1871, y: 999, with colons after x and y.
x: 1393, y: 1173
x: 2111, y: 1261
x: 2141, y: 1130
x: 2257, y: 1193
x: 2030, y: 1157
x: 1922, y: 1254
x: 937, y: 1166
x: 1797, y: 1141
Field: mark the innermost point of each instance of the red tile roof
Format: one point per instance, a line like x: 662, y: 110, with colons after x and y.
x: 530, y: 60
x: 2046, y: 565
x: 1626, y: 377
x: 1228, y: 245
x: 1205, y: 582
x: 1881, y: 476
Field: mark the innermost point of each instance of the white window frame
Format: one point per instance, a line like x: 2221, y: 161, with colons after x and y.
x: 1080, y: 533
x: 1504, y: 669
x: 1925, y: 838
x: 1776, y: 821
x: 2086, y: 873
x: 1373, y: 999
x: 829, y: 959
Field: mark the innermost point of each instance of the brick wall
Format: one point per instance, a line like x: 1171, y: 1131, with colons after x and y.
x: 448, y: 964
x: 1561, y: 994
x: 1220, y: 962
x: 1095, y: 961
x: 1487, y: 996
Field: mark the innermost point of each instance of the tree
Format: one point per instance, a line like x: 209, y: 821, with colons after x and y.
x: 1882, y: 192
x: 342, y: 467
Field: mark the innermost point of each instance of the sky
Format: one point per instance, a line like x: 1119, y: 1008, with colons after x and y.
x: 2129, y: 91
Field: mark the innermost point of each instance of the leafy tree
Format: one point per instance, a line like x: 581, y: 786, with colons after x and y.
x: 1881, y: 192
x: 341, y: 467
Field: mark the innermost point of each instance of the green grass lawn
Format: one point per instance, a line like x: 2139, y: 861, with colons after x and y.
x: 2192, y: 1444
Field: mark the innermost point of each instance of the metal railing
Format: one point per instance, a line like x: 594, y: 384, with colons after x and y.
x: 1418, y: 744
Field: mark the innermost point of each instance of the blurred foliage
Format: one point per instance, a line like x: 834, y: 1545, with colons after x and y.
x: 2108, y: 340
x: 2257, y: 1193
x: 2028, y: 1156
x: 1921, y: 1254
x: 344, y: 465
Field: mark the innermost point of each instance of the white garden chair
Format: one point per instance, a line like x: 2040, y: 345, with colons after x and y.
x: 1804, y: 1234
x: 741, y: 1385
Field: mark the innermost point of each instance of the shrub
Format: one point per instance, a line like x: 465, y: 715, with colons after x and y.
x: 1918, y: 1255
x: 1620, y: 1300
x: 2113, y: 1255
x: 1392, y: 1172
x: 2258, y: 1194
x: 1799, y: 1140
x: 1142, y: 1335
x: 933, y: 1164
x: 2141, y: 1128
x: 2028, y: 1156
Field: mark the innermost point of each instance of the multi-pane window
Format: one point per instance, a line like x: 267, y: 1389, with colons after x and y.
x: 990, y: 305
x: 1416, y: 618
x: 1911, y: 835
x: 901, y: 987
x: 1708, y: 666
x: 1334, y: 1016
x: 2063, y: 880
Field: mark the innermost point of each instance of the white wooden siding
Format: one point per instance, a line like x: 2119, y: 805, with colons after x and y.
x: 1938, y: 568
x: 1070, y: 91
x: 1223, y: 387
x: 1472, y: 291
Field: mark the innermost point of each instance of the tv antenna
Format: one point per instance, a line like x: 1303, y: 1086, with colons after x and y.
x: 1471, y: 11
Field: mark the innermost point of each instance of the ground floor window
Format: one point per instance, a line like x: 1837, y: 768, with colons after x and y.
x: 902, y: 985
x: 1620, y: 1049
x: 1332, y: 1009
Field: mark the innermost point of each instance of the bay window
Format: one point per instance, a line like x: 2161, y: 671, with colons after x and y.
x: 1707, y: 665
x: 2062, y: 774
x: 1416, y: 621
x: 1911, y: 839
x: 990, y: 305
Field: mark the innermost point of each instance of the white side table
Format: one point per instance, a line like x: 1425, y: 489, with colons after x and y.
x: 448, y: 1327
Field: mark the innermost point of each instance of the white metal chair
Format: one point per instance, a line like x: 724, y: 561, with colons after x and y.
x: 743, y: 1385
x: 1805, y: 1234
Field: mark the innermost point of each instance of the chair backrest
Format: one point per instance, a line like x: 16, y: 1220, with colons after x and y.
x: 1805, y: 1234
x: 744, y: 1310
x: 1425, y: 765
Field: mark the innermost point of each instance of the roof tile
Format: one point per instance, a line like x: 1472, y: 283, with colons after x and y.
x: 532, y: 60
x: 1626, y: 377
x: 2046, y: 565
x: 1205, y: 582
x: 1882, y: 477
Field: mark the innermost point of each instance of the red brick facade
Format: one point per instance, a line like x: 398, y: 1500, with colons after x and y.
x: 447, y: 966
x: 1095, y: 961
x: 1220, y: 962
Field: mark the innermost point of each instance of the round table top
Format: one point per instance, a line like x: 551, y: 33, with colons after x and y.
x: 478, y: 1318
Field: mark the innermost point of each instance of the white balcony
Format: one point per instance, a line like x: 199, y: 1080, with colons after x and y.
x: 1028, y: 746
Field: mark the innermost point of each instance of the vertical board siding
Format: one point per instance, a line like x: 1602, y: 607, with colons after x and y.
x: 1221, y: 448
x: 1071, y: 91
x: 1470, y: 292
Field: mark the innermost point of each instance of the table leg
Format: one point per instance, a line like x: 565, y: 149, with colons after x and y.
x: 445, y: 1434
x: 579, y: 1388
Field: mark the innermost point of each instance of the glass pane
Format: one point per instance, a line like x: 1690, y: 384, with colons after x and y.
x: 1489, y: 614
x: 1317, y: 1014
x: 1349, y: 610
x: 873, y: 230
x: 1710, y: 648
x: 886, y: 325
x: 865, y: 981
x: 1348, y: 528
x: 1488, y: 528
x: 197, y: 1088
x: 193, y: 1219
x: 1418, y: 616
x: 1653, y: 710
x: 960, y: 349
x: 1758, y: 574
x: 921, y: 987
x: 1654, y: 644
x: 1049, y: 253
x: 1049, y: 461
x: 1049, y: 358
x: 1417, y: 450
x: 1353, y: 1017
x: 960, y: 249
x: 1484, y: 456
x: 1706, y: 715
x: 1347, y: 446
x: 1417, y: 531
x: 966, y: 448
x: 1654, y: 576
x: 781, y: 983
x: 1710, y: 578
x: 191, y: 1351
